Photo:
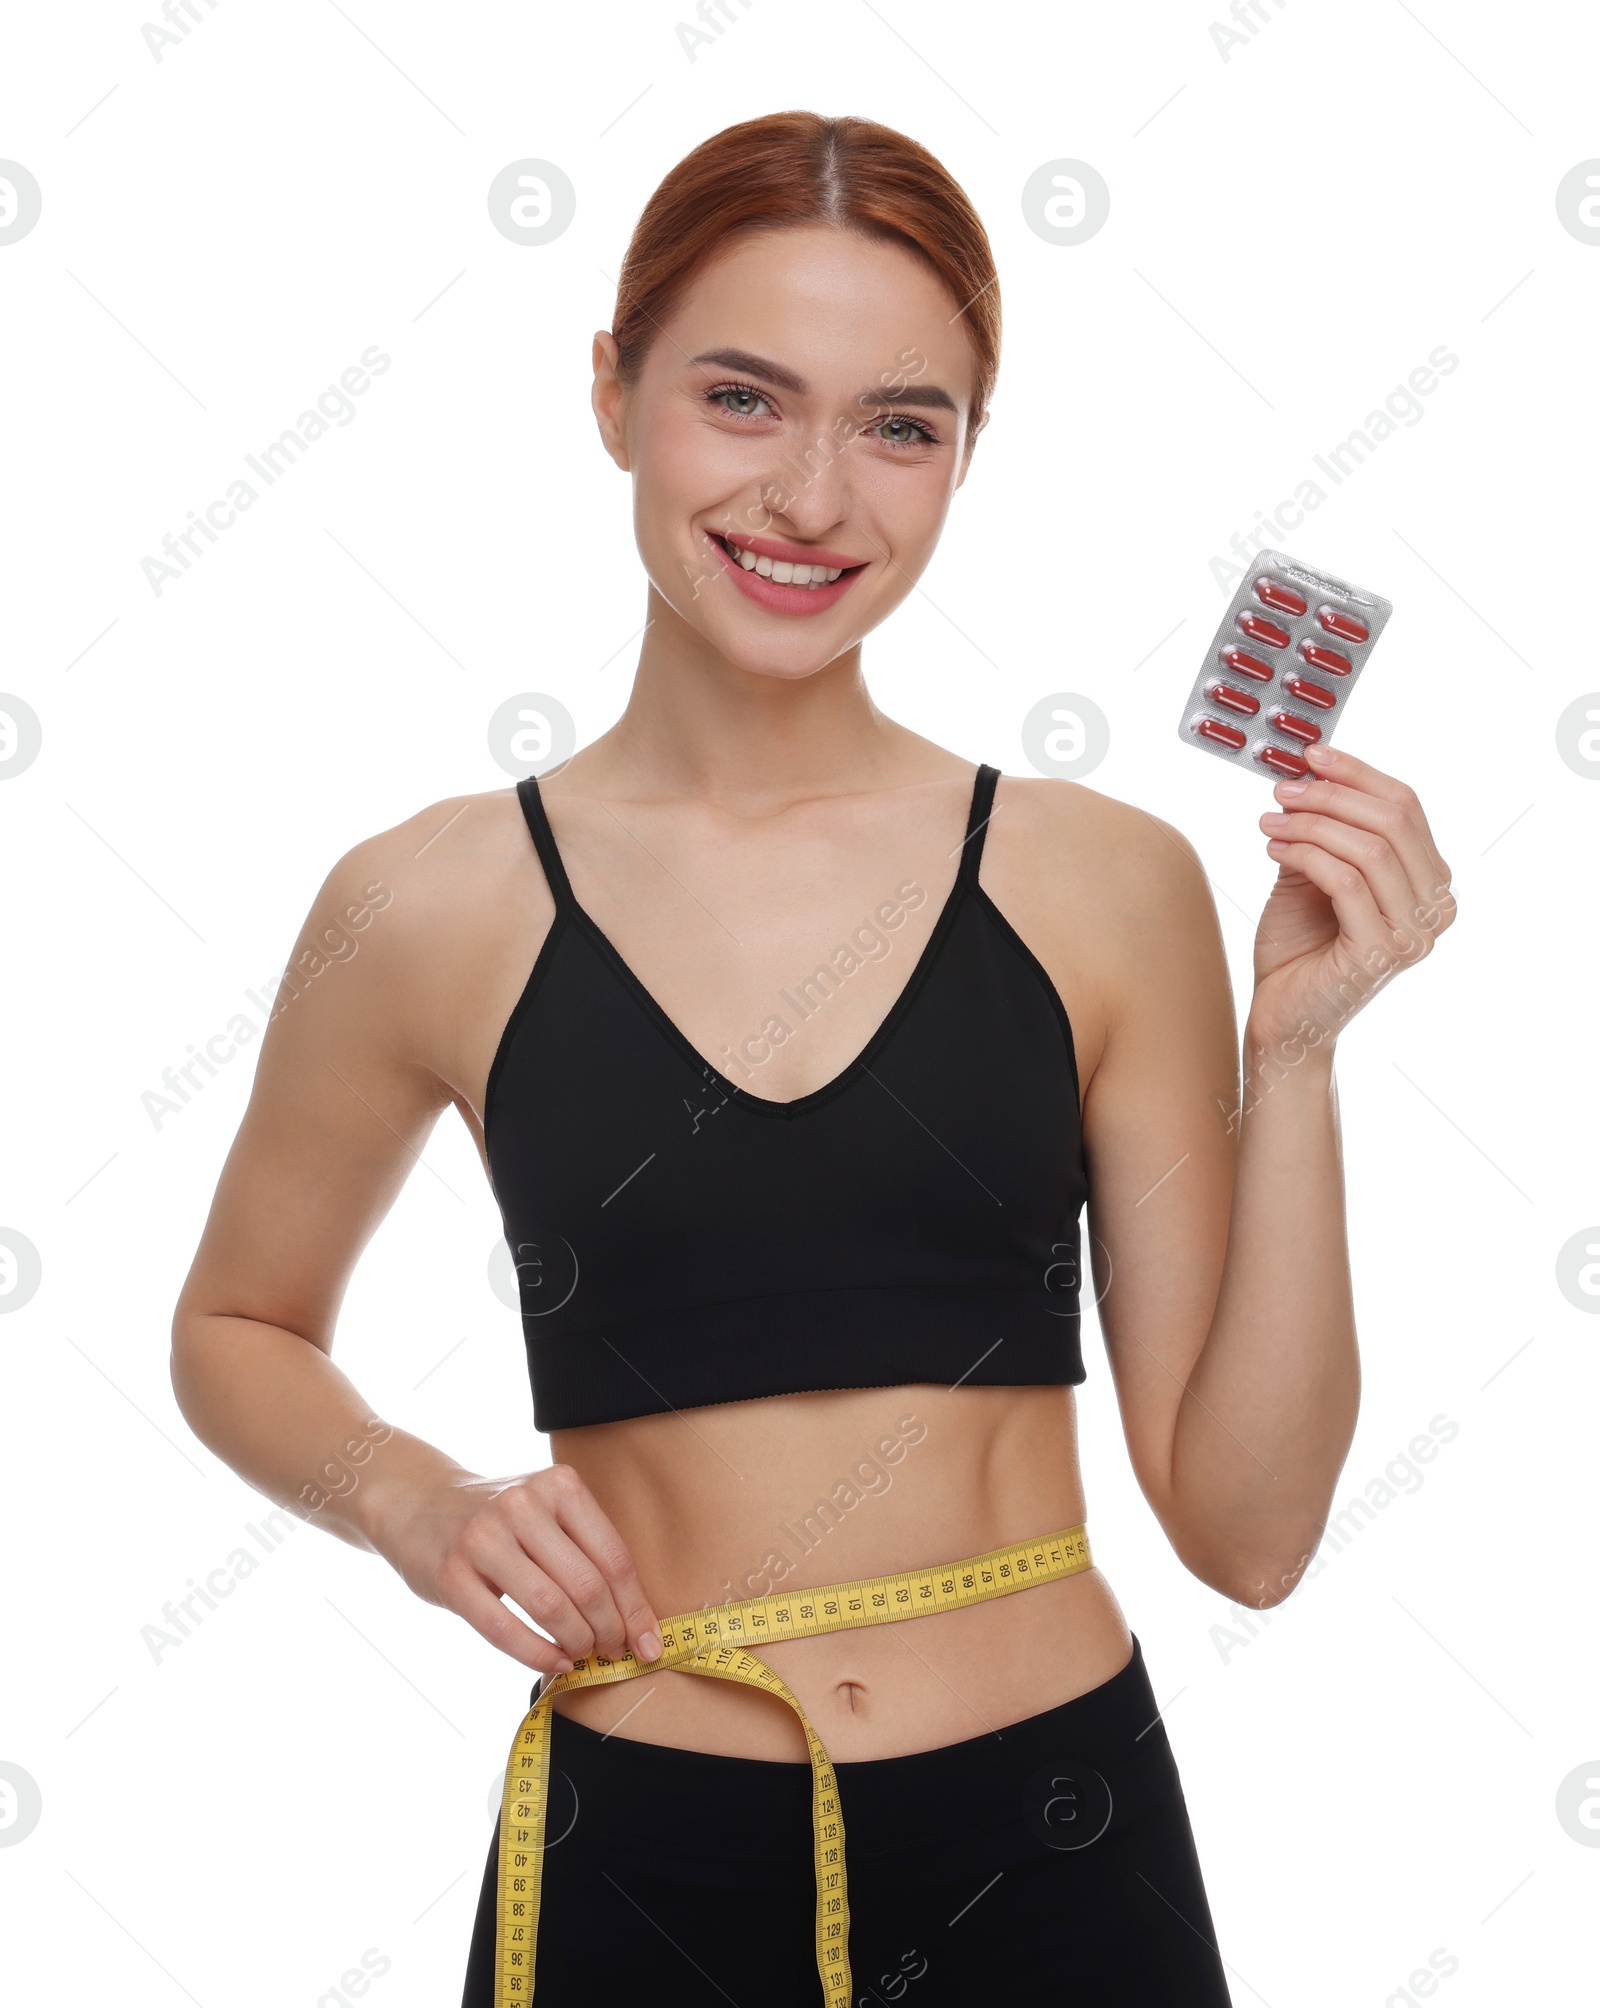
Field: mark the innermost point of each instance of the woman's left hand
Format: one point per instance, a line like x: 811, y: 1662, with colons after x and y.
x: 1362, y: 892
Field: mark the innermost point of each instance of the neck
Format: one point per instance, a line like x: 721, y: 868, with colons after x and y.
x: 699, y: 724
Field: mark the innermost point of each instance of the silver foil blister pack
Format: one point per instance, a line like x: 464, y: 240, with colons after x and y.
x: 1281, y: 666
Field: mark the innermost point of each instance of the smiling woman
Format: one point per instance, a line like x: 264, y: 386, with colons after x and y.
x: 859, y: 237
x: 726, y: 1293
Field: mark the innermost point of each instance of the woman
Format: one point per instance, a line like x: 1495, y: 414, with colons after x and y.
x: 794, y: 1047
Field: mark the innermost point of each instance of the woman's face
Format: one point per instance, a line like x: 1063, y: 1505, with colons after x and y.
x: 805, y: 405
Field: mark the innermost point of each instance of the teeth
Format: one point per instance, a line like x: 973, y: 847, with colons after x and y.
x: 784, y: 573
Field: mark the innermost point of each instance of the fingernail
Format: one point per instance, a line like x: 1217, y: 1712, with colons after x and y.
x: 649, y: 1645
x: 1319, y: 753
x: 563, y: 1666
x: 1291, y: 787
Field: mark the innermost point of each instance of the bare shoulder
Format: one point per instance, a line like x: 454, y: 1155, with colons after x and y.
x: 441, y: 913
x: 1048, y: 811
x: 451, y: 848
x: 1109, y: 896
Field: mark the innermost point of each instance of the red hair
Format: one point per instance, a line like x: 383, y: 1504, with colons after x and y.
x: 796, y: 168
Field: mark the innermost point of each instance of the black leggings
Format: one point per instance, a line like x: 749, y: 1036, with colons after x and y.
x: 1053, y: 1855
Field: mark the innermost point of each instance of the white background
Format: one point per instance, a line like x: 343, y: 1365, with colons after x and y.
x: 1373, y: 1775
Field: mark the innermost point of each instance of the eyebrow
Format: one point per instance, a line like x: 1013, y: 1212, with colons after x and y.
x: 926, y: 394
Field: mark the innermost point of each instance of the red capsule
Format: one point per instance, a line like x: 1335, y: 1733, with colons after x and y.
x: 1268, y: 632
x: 1328, y: 659
x: 1309, y: 692
x: 1224, y: 735
x: 1247, y: 665
x: 1344, y: 625
x: 1281, y: 760
x: 1295, y: 727
x: 1234, y: 700
x: 1271, y: 594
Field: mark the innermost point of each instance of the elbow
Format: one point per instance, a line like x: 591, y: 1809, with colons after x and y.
x: 188, y: 1360
x: 180, y: 1367
x: 1257, y: 1582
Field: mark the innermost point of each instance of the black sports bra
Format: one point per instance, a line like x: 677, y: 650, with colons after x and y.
x: 679, y: 1240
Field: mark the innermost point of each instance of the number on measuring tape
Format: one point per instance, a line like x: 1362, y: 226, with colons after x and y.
x: 695, y: 1650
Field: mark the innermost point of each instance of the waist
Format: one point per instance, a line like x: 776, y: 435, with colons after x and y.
x: 717, y: 1645
x: 892, y: 1689
x: 900, y: 1805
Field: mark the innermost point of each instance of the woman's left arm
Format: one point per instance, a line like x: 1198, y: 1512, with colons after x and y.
x: 1227, y: 1300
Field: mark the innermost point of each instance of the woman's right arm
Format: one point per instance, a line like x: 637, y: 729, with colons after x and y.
x: 342, y: 1103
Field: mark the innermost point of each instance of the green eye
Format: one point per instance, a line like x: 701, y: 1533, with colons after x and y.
x: 743, y: 394
x: 918, y: 435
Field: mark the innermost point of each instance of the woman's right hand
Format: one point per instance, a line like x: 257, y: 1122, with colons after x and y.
x: 541, y: 1539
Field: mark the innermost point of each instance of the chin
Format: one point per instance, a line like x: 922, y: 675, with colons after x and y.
x: 783, y: 665
x: 763, y: 645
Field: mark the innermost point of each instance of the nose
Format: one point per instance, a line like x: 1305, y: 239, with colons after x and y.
x: 808, y: 493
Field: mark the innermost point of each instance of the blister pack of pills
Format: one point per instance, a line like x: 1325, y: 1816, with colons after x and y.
x: 1281, y: 666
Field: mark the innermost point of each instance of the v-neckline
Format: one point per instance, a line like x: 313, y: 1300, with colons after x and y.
x: 567, y: 900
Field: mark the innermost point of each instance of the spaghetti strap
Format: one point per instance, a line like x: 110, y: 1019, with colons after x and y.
x: 978, y: 822
x: 544, y: 843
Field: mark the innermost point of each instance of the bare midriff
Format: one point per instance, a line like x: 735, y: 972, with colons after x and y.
x: 794, y: 1491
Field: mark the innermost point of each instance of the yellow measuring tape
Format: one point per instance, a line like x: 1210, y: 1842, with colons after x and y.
x: 714, y: 1642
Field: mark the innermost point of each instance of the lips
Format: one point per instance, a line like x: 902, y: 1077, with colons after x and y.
x: 764, y: 570
x: 779, y: 549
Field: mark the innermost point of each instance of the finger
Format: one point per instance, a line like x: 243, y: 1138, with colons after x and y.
x: 1340, y: 765
x: 1334, y: 764
x: 1373, y: 856
x: 1353, y: 905
x: 574, y: 1570
x: 1372, y: 813
x: 584, y: 1518
x: 514, y: 1557
x: 465, y: 1592
x: 1429, y: 907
